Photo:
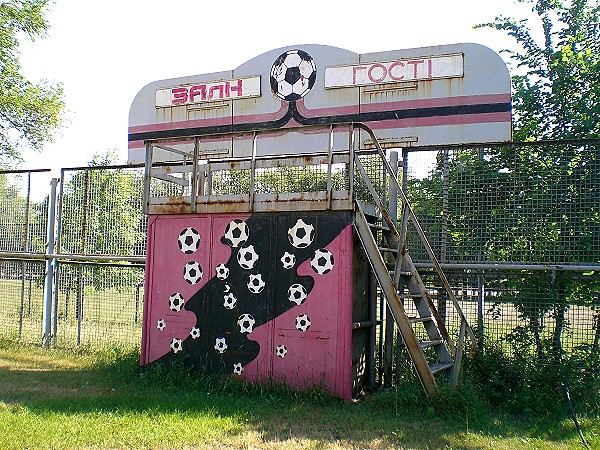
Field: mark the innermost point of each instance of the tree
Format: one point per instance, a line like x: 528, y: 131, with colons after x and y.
x: 556, y: 85
x: 29, y: 112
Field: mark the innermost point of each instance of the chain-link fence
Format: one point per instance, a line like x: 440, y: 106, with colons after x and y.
x: 516, y: 227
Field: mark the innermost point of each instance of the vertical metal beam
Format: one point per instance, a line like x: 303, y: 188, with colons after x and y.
x: 329, y: 163
x: 195, y: 165
x: 147, y: 177
x: 253, y: 171
x: 24, y: 248
x: 48, y: 287
x: 389, y: 318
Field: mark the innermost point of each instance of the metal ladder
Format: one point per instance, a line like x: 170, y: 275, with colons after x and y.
x: 400, y: 282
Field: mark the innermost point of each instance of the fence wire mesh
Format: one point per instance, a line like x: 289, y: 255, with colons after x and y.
x: 98, y: 305
x: 536, y: 203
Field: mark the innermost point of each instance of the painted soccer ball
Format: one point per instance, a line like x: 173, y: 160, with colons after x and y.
x: 222, y: 271
x: 246, y: 323
x: 161, y: 324
x: 297, y: 294
x: 176, y: 345
x: 229, y: 300
x: 247, y: 257
x: 302, y: 322
x: 238, y: 369
x: 188, y: 240
x: 256, y: 283
x: 236, y: 233
x: 293, y: 75
x: 176, y: 302
x: 192, y: 272
x: 195, y: 332
x: 288, y: 260
x: 301, y: 234
x: 322, y: 261
x: 220, y: 344
x: 281, y: 351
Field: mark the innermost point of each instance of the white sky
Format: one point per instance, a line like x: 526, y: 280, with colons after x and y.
x: 105, y: 52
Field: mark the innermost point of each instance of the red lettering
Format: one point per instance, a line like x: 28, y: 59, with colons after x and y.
x: 355, y: 69
x: 198, y: 90
x: 415, y: 63
x: 383, y: 72
x: 212, y: 89
x: 430, y: 68
x: 237, y: 88
x: 392, y: 66
x: 179, y: 95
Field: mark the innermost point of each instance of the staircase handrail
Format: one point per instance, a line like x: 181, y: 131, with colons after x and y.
x: 465, y: 327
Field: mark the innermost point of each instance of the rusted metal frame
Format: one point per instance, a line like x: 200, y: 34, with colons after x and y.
x: 422, y: 236
x: 253, y: 171
x: 195, y: 166
x: 329, y: 164
x: 393, y: 301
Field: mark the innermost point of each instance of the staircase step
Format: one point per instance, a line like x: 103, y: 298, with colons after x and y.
x: 420, y: 319
x: 388, y: 250
x: 426, y: 344
x: 411, y: 296
x: 379, y: 227
x: 439, y: 367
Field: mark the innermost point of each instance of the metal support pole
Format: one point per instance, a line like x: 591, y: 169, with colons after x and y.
x: 389, y: 318
x: 253, y: 171
x: 443, y: 296
x: 48, y: 288
x: 25, y: 248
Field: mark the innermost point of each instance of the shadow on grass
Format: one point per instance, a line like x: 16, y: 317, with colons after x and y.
x: 113, y: 384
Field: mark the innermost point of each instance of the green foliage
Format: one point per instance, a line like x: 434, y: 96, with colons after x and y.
x: 556, y: 84
x: 28, y: 112
x: 509, y: 378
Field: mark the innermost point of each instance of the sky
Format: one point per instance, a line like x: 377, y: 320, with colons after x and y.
x: 104, y: 52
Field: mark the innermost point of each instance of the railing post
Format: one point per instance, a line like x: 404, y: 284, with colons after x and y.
x: 48, y: 287
x: 147, y: 177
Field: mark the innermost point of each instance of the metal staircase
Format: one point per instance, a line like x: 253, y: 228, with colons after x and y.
x: 425, y: 336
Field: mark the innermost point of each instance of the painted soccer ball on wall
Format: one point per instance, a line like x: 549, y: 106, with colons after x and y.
x: 256, y: 283
x: 301, y: 234
x: 192, y: 272
x: 302, y: 322
x: 247, y: 257
x: 322, y: 261
x: 236, y: 233
x: 246, y: 323
x: 293, y: 75
x: 297, y: 294
x: 176, y: 302
x: 189, y: 240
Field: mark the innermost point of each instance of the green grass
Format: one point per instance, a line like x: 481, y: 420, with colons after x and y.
x: 63, y: 399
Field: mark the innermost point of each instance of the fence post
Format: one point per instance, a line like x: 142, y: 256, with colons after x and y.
x: 48, y: 287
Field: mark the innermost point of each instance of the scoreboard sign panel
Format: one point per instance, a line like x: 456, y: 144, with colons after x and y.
x: 447, y: 66
x: 442, y: 95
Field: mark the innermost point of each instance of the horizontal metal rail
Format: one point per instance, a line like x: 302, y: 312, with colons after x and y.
x: 72, y: 257
x: 512, y: 266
